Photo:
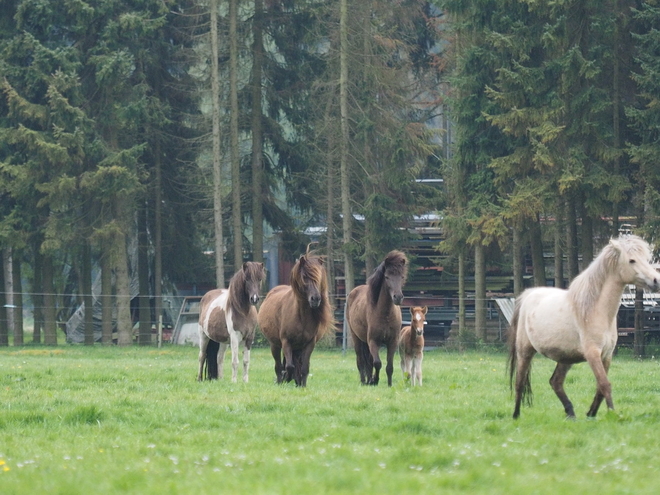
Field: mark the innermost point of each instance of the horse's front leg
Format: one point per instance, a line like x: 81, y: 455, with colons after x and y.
x: 203, y: 344
x: 417, y: 370
x: 305, y: 356
x: 222, y: 349
x: 276, y: 351
x: 246, y: 360
x: 389, y: 368
x: 377, y: 364
x: 600, y: 366
x: 289, y: 364
x: 557, y: 384
x: 233, y: 341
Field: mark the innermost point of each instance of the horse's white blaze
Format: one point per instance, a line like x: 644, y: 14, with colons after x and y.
x: 418, y: 316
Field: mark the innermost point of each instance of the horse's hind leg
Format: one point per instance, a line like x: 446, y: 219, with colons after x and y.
x: 389, y: 368
x: 203, y: 344
x: 246, y: 361
x: 604, y: 388
x: 361, y: 356
x: 221, y: 359
x: 522, y: 385
x: 557, y: 384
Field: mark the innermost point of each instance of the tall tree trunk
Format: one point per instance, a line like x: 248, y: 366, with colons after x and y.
x: 517, y: 248
x: 536, y: 243
x: 461, y: 292
x: 9, y: 287
x: 122, y: 284
x: 571, y: 238
x: 86, y: 289
x: 257, y: 134
x: 106, y: 295
x: 37, y: 291
x: 639, y: 322
x: 18, y: 297
x: 349, y: 277
x: 158, y: 243
x: 587, y: 240
x: 144, y: 333
x: 237, y: 222
x: 480, y: 303
x: 330, y: 213
x: 4, y: 327
x: 50, y: 310
x: 559, y: 251
x: 616, y: 110
x: 217, y: 163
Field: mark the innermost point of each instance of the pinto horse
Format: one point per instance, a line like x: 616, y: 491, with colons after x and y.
x: 229, y: 315
x: 578, y: 324
x: 294, y: 317
x: 374, y: 316
x: 411, y: 346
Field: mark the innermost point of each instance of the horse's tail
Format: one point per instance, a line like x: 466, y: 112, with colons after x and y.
x: 211, y: 368
x: 526, y: 390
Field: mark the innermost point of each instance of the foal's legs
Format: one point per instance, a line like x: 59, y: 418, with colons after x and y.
x: 600, y: 367
x: 557, y: 384
x: 417, y: 369
x: 246, y: 361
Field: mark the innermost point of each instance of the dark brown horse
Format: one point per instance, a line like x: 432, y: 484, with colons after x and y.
x: 374, y: 316
x: 294, y: 317
x: 229, y: 315
x: 411, y: 346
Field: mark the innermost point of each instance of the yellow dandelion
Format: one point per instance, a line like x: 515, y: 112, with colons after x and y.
x: 5, y: 468
x: 2, y: 462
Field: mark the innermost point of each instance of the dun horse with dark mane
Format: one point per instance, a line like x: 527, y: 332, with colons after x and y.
x: 294, y: 317
x: 229, y: 315
x: 374, y: 316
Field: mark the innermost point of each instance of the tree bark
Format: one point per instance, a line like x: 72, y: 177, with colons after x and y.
x: 86, y: 289
x: 158, y: 243
x: 106, y: 296
x: 122, y: 284
x: 257, y: 134
x: 217, y: 163
x: 347, y: 220
x: 538, y: 263
x: 517, y: 245
x: 18, y: 297
x: 480, y: 303
x: 559, y: 250
x: 50, y: 310
x: 571, y: 238
x: 37, y: 298
x: 4, y: 327
x: 144, y: 333
x: 237, y: 222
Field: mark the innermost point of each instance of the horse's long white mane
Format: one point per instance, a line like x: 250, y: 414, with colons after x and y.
x: 584, y: 291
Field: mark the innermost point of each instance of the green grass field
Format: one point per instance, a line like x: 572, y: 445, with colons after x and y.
x: 76, y: 420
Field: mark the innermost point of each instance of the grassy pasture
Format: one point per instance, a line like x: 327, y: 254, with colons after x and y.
x: 76, y: 420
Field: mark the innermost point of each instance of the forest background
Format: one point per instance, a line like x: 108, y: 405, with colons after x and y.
x: 170, y: 138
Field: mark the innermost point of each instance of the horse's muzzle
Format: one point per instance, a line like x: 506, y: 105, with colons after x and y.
x: 397, y: 299
x: 254, y: 298
x: 314, y: 301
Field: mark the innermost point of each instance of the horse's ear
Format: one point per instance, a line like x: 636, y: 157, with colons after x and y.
x: 321, y: 261
x: 302, y: 259
x: 425, y: 309
x: 412, y: 310
x: 245, y: 266
x: 615, y: 244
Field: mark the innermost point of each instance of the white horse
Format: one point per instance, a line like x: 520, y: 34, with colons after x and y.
x: 411, y: 346
x: 578, y: 324
x: 229, y: 315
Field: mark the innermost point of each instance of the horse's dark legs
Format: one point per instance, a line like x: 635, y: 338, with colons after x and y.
x: 305, y: 356
x: 203, y: 344
x: 600, y: 368
x: 276, y: 351
x: 389, y: 368
x: 289, y: 363
x: 373, y: 350
x: 557, y: 384
x: 361, y: 355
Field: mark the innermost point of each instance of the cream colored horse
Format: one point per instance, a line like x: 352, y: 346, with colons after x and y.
x: 578, y: 324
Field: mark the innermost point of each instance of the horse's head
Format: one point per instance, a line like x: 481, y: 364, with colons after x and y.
x: 254, y: 274
x: 308, y: 279
x: 417, y: 319
x: 391, y: 274
x: 634, y: 262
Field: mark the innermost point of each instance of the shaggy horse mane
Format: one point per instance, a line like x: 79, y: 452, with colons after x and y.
x: 239, y: 300
x: 310, y: 267
x: 585, y: 289
x: 395, y: 262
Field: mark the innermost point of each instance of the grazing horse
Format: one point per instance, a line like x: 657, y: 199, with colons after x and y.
x: 411, y: 346
x: 229, y: 315
x: 294, y: 317
x: 578, y: 324
x: 374, y: 316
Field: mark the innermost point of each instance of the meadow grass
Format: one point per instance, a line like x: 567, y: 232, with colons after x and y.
x: 78, y: 420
